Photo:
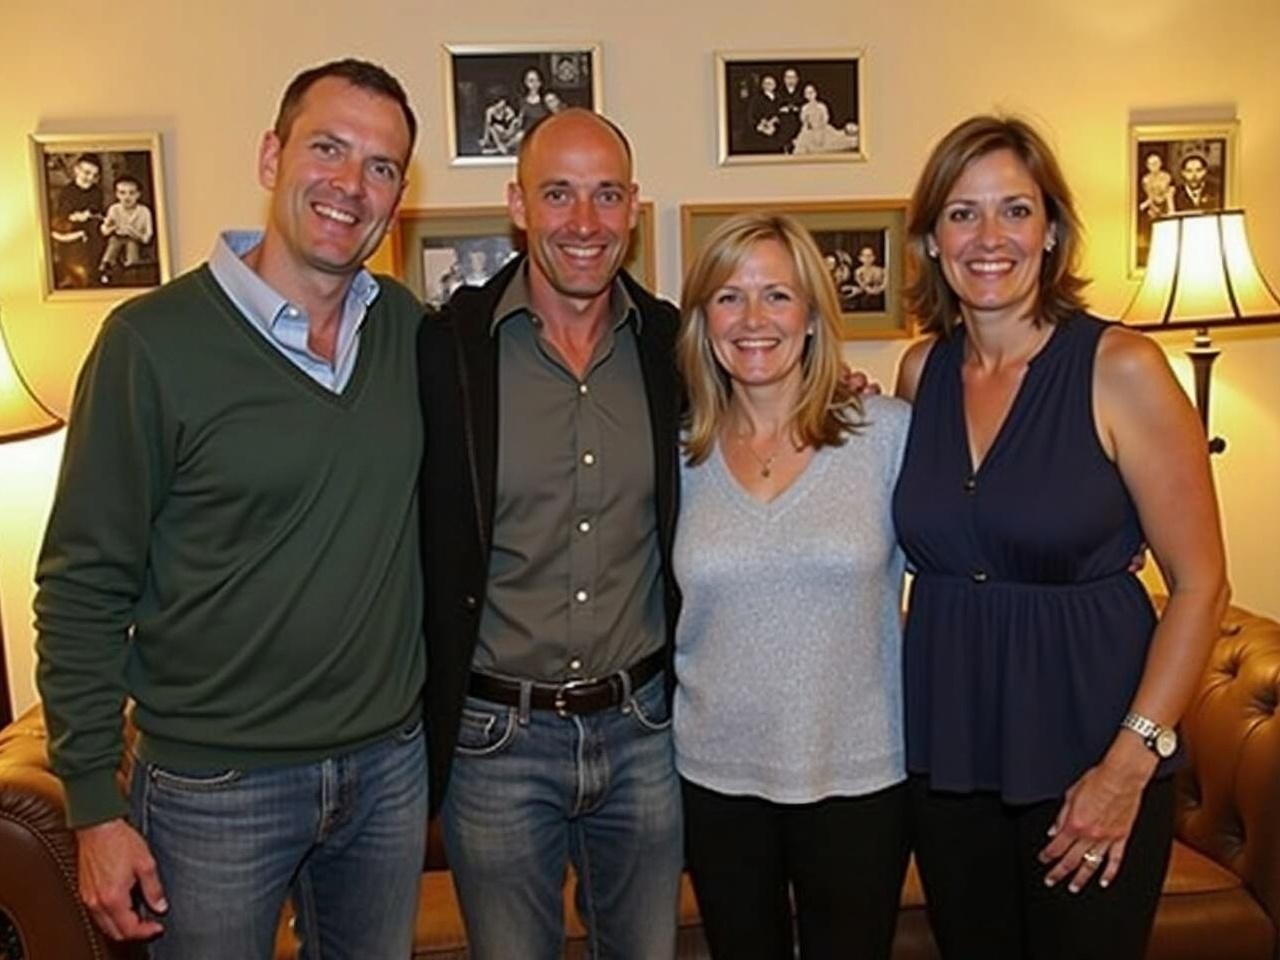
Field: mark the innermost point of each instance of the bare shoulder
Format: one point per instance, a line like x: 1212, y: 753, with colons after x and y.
x: 911, y: 365
x: 1126, y: 355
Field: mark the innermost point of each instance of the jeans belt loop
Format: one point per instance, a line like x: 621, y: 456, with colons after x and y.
x: 522, y: 711
x: 561, y: 702
x: 625, y: 706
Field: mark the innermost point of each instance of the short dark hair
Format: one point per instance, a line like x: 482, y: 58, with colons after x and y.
x: 358, y: 73
x: 929, y: 296
x: 127, y: 178
x: 1187, y: 158
x: 89, y: 158
x: 531, y: 134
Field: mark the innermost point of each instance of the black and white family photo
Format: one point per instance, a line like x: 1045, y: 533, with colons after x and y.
x: 780, y: 108
x: 452, y: 262
x: 103, y: 223
x: 856, y: 260
x: 1177, y: 170
x: 497, y: 95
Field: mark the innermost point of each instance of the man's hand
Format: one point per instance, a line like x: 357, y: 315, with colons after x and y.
x: 855, y: 381
x: 114, y: 859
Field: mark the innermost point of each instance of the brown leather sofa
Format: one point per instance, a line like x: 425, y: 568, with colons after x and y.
x: 1221, y: 898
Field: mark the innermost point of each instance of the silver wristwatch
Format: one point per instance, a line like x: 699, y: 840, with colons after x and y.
x: 1162, y: 741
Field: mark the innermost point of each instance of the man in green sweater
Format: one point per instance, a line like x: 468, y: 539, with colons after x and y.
x: 234, y: 547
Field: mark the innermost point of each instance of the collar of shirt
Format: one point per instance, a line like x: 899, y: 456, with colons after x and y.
x: 285, y: 324
x: 515, y: 300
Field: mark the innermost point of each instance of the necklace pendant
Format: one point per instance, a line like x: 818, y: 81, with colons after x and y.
x: 765, y: 471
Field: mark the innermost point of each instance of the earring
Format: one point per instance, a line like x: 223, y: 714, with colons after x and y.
x: 931, y: 248
x: 809, y: 330
x: 1049, y: 244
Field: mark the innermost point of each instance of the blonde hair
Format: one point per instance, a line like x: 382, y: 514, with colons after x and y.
x: 826, y: 410
x: 929, y: 296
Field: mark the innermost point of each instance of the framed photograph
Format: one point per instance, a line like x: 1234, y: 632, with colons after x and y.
x: 862, y: 243
x: 103, y: 226
x: 791, y: 107
x: 438, y: 249
x: 1176, y: 169
x: 494, y: 94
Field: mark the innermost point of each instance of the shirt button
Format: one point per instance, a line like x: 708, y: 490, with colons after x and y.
x: 582, y: 389
x: 979, y: 576
x: 970, y: 485
x: 470, y: 601
x: 581, y: 596
x: 584, y: 526
x: 575, y: 664
x: 588, y: 458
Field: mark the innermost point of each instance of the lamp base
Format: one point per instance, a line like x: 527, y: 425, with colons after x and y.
x: 1202, y: 354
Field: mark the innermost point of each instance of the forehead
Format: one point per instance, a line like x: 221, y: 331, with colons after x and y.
x: 126, y: 185
x: 331, y: 103
x: 87, y: 166
x: 580, y: 149
x: 999, y: 171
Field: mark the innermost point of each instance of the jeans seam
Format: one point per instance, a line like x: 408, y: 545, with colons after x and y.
x: 304, y: 914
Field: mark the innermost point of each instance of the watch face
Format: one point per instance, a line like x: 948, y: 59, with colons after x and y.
x: 1166, y: 743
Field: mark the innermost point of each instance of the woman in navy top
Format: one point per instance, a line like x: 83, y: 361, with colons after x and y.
x: 1046, y: 447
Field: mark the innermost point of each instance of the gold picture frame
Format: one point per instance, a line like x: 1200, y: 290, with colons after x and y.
x: 427, y: 243
x: 88, y: 251
x: 1158, y: 156
x: 845, y: 230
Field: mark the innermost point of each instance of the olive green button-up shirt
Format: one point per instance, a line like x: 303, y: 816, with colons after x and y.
x: 575, y: 583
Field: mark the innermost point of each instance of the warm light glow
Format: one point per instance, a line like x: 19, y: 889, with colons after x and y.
x: 21, y: 413
x: 1201, y: 269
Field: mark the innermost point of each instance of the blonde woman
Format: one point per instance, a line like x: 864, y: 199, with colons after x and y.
x: 788, y: 702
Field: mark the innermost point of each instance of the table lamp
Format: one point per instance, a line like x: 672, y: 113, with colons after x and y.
x: 1201, y: 274
x: 22, y: 416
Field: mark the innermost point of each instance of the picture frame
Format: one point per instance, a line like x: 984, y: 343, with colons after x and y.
x: 436, y: 249
x: 493, y: 94
x: 103, y: 220
x: 1174, y: 168
x: 766, y: 113
x: 869, y: 284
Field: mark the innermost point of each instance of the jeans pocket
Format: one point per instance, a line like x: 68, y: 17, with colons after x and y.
x: 650, y: 707
x: 200, y: 781
x: 483, y: 733
x: 410, y: 731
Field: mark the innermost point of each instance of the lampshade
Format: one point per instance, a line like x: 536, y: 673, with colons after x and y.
x: 1200, y: 273
x: 21, y: 413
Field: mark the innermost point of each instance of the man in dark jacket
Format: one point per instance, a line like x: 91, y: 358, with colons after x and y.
x: 550, y: 406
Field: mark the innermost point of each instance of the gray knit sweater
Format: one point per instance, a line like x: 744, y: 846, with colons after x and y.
x: 788, y: 651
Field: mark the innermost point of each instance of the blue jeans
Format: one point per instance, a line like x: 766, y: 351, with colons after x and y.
x: 344, y: 836
x: 529, y: 794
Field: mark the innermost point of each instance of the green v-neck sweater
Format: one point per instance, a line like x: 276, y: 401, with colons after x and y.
x: 232, y: 546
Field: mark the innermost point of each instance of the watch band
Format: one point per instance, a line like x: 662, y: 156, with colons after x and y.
x: 1144, y: 727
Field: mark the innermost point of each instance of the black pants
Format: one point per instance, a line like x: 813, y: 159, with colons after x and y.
x: 842, y: 858
x: 985, y: 887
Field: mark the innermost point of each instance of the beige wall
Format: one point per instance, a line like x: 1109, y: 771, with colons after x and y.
x: 207, y: 76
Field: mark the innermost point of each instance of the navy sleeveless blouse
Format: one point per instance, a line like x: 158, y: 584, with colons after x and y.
x: 1026, y: 636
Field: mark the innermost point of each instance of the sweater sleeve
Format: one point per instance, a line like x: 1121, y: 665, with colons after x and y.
x: 115, y: 470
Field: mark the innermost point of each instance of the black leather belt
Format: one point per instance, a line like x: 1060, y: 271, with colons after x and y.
x: 572, y: 696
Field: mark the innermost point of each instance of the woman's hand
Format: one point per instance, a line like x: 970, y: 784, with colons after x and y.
x: 1097, y: 815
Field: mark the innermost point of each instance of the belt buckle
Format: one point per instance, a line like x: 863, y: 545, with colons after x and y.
x: 561, y: 703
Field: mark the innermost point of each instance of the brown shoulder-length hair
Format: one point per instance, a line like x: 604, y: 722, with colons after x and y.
x: 929, y: 296
x: 826, y: 410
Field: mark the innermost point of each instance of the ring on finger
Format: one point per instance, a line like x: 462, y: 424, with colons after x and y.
x: 1092, y: 857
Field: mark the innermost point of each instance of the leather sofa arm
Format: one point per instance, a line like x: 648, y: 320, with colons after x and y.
x: 38, y: 853
x: 1229, y: 794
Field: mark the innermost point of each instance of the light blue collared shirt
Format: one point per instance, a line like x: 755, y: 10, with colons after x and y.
x: 285, y: 325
